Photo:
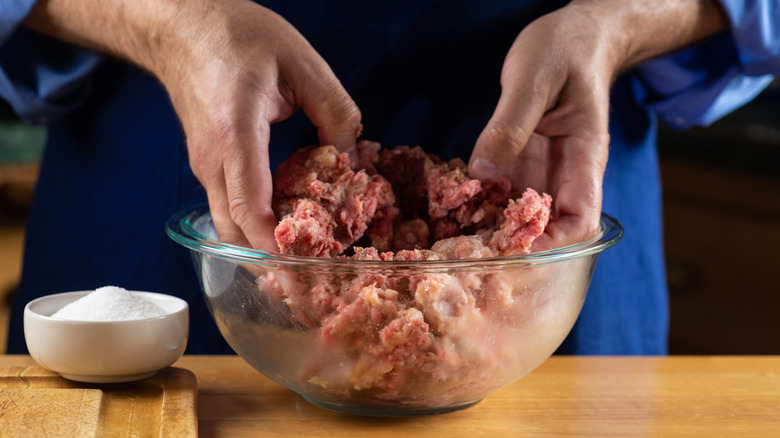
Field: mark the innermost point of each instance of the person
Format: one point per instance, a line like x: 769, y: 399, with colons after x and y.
x: 154, y: 106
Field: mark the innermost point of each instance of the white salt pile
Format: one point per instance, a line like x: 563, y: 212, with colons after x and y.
x: 109, y: 303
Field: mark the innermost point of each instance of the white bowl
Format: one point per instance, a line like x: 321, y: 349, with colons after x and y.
x: 105, y: 351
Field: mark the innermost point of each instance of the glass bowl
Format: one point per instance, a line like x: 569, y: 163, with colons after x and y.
x: 391, y: 338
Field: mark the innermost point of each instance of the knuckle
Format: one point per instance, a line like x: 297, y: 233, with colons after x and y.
x: 240, y: 211
x: 345, y: 112
x: 200, y: 160
x: 222, y: 126
x: 506, y: 137
x: 339, y: 105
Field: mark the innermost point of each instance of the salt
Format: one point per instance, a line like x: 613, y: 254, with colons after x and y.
x: 109, y: 303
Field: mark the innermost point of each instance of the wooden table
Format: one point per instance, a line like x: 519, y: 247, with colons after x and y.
x: 567, y: 396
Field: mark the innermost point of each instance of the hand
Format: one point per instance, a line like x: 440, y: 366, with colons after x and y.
x: 550, y: 128
x: 246, y: 69
x: 231, y: 68
x: 249, y: 69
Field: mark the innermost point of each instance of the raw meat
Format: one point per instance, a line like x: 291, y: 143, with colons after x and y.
x: 396, y: 199
x: 319, y: 186
x: 394, y: 327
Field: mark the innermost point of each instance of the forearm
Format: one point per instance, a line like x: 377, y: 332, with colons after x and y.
x: 644, y: 29
x: 141, y: 32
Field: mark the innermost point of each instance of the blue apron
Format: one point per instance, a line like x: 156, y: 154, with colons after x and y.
x: 422, y: 72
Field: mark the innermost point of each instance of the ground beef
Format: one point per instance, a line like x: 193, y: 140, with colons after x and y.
x: 392, y: 328
x: 320, y: 186
x: 396, y: 199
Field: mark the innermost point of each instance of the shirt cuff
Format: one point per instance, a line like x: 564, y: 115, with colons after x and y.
x: 12, y: 13
x: 755, y: 27
x: 697, y: 86
x: 43, y: 78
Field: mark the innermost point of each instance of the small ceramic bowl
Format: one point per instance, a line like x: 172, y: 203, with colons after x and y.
x: 105, y: 351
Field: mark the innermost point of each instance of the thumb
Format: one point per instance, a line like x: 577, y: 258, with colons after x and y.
x: 330, y: 108
x: 506, y: 133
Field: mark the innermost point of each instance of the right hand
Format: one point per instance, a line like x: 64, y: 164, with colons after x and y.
x: 231, y: 69
x: 235, y: 70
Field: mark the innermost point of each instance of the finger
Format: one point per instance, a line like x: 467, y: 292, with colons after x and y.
x: 577, y: 185
x: 210, y: 173
x: 337, y: 121
x: 532, y: 167
x: 578, y: 127
x: 219, y: 206
x: 248, y: 186
x: 578, y: 162
x: 327, y: 104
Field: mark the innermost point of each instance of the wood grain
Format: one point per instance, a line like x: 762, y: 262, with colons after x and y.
x: 566, y: 396
x: 38, y: 402
x: 26, y: 412
x: 728, y: 396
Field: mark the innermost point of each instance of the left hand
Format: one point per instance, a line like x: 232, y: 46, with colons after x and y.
x: 550, y: 128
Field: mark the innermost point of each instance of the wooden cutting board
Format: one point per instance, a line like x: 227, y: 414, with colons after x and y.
x: 37, y: 402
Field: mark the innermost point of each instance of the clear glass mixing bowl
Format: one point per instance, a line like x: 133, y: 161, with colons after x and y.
x: 391, y: 338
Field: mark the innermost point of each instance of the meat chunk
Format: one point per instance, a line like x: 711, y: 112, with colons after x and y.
x: 524, y: 221
x: 308, y: 231
x: 448, y: 190
x: 411, y: 234
x: 324, y: 205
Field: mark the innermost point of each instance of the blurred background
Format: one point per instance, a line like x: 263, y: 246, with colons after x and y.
x: 722, y: 231
x: 721, y: 211
x: 21, y: 146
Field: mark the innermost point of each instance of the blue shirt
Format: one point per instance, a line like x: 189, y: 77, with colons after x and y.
x: 116, y: 167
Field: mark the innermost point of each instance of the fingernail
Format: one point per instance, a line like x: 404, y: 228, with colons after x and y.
x: 483, y: 169
x: 352, y: 153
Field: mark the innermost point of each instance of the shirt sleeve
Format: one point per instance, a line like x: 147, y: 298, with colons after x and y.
x: 12, y: 12
x: 699, y: 85
x: 40, y: 77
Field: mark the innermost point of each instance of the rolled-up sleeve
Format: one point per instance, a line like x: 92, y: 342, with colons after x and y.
x: 699, y: 85
x: 12, y: 12
x: 40, y: 77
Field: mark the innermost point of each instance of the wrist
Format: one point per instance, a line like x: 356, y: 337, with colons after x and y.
x: 133, y: 30
x: 643, y: 29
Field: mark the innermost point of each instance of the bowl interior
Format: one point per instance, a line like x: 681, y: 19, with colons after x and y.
x: 48, y: 305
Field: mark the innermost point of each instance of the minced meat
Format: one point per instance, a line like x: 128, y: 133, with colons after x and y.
x: 390, y: 329
x: 396, y: 199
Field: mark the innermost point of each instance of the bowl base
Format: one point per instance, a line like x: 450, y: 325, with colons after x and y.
x: 384, y: 411
x: 107, y: 379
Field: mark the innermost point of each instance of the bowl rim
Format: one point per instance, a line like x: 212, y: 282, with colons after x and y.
x: 180, y: 227
x: 28, y: 308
